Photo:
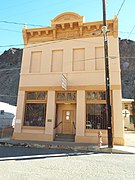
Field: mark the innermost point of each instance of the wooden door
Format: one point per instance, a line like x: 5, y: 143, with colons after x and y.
x: 67, y: 121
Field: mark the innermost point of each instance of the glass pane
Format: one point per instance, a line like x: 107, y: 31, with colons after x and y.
x: 36, y: 96
x: 95, y: 96
x: 61, y: 97
x: 35, y: 115
x: 67, y: 117
x: 71, y: 96
x: 96, y: 116
x: 31, y: 96
x: 68, y: 113
x: 66, y: 96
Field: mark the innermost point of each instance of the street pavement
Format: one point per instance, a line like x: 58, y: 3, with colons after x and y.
x: 33, y: 164
x: 25, y: 163
x: 130, y: 138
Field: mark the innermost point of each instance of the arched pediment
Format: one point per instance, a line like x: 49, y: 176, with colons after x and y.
x: 67, y: 17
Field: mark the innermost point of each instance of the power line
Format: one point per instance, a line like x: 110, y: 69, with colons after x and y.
x: 11, y: 45
x: 4, y: 95
x: 10, y: 30
x: 131, y: 32
x: 9, y: 69
x: 121, y: 7
x: 20, y: 23
x: 88, y: 59
x: 46, y: 43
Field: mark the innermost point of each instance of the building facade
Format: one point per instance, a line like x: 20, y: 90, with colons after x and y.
x: 62, y: 81
x: 127, y: 106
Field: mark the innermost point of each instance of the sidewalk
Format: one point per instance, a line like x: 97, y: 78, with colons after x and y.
x: 67, y: 145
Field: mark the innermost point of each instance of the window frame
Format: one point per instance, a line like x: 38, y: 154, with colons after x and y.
x: 98, y: 102
x: 65, y: 101
x: 34, y: 101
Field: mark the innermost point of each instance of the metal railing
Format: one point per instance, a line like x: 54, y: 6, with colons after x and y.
x: 57, y: 125
x: 74, y: 125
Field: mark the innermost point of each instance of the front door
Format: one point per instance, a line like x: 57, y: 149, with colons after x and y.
x: 67, y: 121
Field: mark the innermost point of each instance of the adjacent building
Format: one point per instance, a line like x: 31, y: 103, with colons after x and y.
x: 127, y: 110
x: 62, y: 81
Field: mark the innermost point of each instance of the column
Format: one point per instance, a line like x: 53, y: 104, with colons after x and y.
x: 20, y: 112
x: 50, y: 116
x: 118, y: 124
x: 80, y: 116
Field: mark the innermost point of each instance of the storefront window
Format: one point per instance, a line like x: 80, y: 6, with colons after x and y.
x: 96, y: 116
x: 35, y: 115
x: 35, y: 109
x: 96, y: 110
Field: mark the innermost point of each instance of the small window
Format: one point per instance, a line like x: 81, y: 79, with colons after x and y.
x: 36, y: 96
x: 126, y: 106
x: 69, y: 96
x: 95, y: 96
x: 67, y: 115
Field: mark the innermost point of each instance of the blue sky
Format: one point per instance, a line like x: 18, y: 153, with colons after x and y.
x: 40, y: 12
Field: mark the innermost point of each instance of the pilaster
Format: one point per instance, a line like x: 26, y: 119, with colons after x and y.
x: 50, y: 115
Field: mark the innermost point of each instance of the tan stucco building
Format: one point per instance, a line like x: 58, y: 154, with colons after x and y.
x: 62, y: 81
x: 127, y: 111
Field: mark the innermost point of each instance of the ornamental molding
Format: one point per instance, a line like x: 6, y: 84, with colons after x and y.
x: 67, y: 18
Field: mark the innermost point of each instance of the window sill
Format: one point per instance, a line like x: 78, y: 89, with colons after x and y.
x: 33, y: 127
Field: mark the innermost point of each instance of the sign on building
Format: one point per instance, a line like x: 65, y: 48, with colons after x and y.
x: 64, y: 82
x: 125, y: 113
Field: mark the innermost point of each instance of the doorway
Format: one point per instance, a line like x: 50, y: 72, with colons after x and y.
x: 67, y: 121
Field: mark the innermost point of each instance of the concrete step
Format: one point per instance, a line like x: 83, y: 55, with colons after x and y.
x: 65, y: 137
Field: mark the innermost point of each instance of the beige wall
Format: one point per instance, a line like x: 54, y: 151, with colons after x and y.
x: 118, y: 124
x: 80, y: 114
x: 91, y: 76
x: 50, y: 114
x: 20, y: 112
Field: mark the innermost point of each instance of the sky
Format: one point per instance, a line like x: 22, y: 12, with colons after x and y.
x: 40, y: 12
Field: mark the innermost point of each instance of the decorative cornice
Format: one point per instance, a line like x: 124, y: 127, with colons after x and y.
x: 69, y: 26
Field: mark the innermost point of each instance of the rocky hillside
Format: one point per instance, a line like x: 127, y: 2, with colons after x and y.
x: 127, y: 61
x: 10, y: 63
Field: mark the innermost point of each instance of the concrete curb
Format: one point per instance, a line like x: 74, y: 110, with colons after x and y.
x: 68, y: 146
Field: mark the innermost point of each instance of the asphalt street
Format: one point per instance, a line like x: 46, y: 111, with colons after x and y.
x: 32, y: 164
x: 21, y: 163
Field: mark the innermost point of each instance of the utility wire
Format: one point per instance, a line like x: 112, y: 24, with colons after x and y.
x: 88, y: 59
x: 121, y: 7
x: 131, y: 32
x: 2, y: 95
x: 9, y: 30
x: 20, y: 23
x: 46, y: 43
